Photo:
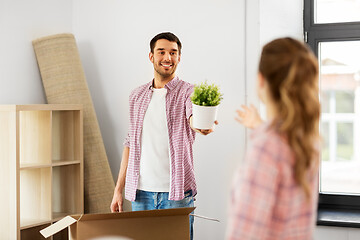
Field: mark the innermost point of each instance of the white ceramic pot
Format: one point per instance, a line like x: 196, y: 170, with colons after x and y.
x: 204, y: 116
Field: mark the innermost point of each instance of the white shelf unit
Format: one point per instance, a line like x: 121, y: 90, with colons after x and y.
x: 41, y: 167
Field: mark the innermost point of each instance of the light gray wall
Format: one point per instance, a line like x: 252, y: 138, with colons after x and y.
x: 280, y: 18
x: 20, y: 23
x: 336, y: 233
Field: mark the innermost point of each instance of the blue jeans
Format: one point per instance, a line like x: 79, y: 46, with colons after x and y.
x: 159, y: 200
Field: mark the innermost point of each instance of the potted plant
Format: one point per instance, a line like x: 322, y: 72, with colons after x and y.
x: 206, y: 99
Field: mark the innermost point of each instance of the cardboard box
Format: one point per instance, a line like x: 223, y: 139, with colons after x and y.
x: 137, y: 225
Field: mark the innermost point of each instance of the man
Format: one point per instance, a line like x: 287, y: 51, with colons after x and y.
x: 157, y: 161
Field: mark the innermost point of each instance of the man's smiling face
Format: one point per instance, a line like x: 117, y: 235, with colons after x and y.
x: 165, y: 58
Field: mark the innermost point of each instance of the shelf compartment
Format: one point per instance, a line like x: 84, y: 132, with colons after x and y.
x: 35, y: 137
x: 33, y: 233
x: 67, y: 191
x: 35, y: 195
x: 66, y: 136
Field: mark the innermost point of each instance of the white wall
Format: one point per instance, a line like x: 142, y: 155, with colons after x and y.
x: 265, y: 21
x: 20, y: 23
x: 113, y: 38
x: 336, y: 233
x: 280, y: 18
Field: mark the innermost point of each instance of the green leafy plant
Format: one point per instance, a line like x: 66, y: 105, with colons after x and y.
x: 206, y: 94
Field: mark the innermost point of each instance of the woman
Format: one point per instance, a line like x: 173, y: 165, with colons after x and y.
x: 274, y: 194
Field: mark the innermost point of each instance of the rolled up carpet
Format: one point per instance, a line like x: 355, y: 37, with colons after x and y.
x: 64, y: 82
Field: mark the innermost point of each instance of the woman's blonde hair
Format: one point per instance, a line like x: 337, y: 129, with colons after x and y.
x: 291, y: 71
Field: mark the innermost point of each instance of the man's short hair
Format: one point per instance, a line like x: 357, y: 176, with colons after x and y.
x: 165, y: 35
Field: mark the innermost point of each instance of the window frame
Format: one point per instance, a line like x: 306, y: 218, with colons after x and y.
x: 333, y: 209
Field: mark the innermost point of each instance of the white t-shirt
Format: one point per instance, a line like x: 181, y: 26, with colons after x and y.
x: 155, y: 159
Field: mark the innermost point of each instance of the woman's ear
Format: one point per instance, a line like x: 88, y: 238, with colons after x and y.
x: 261, y: 80
x: 261, y: 87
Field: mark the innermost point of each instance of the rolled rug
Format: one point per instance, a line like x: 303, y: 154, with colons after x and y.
x: 64, y: 82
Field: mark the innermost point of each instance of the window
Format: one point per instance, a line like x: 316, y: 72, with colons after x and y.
x: 332, y: 30
x: 339, y: 84
x: 335, y: 11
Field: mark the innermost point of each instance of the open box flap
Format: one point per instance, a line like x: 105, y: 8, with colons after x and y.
x: 58, y: 226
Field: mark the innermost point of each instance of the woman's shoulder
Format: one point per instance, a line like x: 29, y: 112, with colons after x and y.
x: 270, y: 142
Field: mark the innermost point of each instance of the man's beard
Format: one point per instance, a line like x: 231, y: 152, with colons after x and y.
x: 164, y: 73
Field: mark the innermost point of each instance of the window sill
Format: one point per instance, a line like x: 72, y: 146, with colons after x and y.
x: 339, y: 218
